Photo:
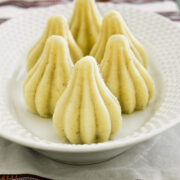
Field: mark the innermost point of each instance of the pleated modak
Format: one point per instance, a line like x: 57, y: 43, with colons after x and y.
x: 87, y: 112
x: 125, y: 76
x: 46, y: 81
x: 113, y: 23
x: 85, y: 24
x: 56, y: 25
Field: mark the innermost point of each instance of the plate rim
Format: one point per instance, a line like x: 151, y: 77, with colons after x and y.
x: 86, y: 148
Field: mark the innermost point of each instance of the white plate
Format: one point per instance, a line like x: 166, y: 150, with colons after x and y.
x: 162, y: 40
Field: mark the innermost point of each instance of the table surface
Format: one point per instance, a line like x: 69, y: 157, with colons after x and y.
x: 148, y: 165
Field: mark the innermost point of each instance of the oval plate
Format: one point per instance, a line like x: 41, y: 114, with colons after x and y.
x: 162, y: 41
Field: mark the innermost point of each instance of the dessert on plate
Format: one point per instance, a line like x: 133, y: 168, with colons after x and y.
x: 85, y: 24
x: 86, y: 102
x: 56, y: 25
x: 125, y: 76
x: 48, y: 78
x: 87, y: 112
x: 113, y: 23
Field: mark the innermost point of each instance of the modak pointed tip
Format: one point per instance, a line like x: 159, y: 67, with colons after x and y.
x: 87, y: 64
x: 56, y: 17
x: 56, y: 25
x: 118, y: 40
x: 56, y: 38
x: 88, y: 59
x: 111, y: 13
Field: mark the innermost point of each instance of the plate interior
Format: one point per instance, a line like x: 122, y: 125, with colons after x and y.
x: 44, y: 129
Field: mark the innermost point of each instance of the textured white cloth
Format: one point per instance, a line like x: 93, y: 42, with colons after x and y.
x: 156, y: 159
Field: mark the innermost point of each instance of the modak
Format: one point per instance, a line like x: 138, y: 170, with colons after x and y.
x: 125, y: 76
x: 56, y: 25
x: 113, y: 23
x: 85, y: 24
x: 87, y: 112
x: 46, y: 81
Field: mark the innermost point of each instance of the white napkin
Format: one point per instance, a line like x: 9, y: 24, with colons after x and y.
x: 156, y: 159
